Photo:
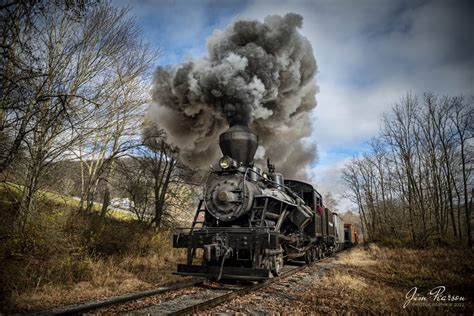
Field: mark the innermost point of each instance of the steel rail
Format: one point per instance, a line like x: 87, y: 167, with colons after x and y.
x: 91, y: 305
x: 239, y: 292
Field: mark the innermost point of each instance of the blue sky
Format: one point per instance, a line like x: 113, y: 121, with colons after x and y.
x: 369, y: 54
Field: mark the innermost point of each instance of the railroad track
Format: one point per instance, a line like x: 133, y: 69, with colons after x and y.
x: 208, y: 298
x: 178, y: 299
x: 94, y: 305
x: 223, y: 297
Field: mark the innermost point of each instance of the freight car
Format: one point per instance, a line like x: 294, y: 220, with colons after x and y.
x: 350, y: 236
x: 249, y: 222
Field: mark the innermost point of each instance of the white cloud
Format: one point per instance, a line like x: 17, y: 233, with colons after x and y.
x: 328, y: 179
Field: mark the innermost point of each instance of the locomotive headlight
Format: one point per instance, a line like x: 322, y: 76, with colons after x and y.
x: 225, y: 162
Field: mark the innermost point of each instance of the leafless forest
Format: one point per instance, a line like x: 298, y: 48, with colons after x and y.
x: 74, y: 136
x: 74, y: 89
x: 415, y: 182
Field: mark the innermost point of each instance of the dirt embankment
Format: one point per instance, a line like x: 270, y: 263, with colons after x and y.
x: 371, y: 280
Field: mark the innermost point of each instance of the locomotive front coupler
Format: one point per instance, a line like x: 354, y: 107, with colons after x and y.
x: 217, y: 249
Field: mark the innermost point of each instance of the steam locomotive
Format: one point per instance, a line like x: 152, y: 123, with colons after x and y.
x: 249, y: 222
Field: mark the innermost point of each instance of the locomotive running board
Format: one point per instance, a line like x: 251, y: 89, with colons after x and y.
x: 212, y: 272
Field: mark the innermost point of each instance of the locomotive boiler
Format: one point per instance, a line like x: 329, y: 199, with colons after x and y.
x: 250, y: 221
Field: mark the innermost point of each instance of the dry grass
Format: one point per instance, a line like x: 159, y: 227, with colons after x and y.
x: 376, y: 281
x: 340, y: 291
x: 373, y: 280
x: 63, y: 258
x: 101, y: 278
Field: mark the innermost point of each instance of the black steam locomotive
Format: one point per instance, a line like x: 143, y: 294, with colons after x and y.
x: 249, y: 222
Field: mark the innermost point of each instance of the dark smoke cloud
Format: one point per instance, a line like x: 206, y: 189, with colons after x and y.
x: 261, y: 74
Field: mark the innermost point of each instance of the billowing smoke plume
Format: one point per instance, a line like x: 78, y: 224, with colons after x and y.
x: 260, y: 74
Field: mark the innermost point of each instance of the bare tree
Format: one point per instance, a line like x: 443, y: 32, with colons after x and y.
x: 416, y: 176
x: 74, y: 72
x: 152, y: 179
x: 116, y: 128
x: 329, y: 201
x: 161, y: 160
x: 462, y: 117
x: 135, y: 183
x: 17, y: 72
x: 351, y: 178
x: 41, y: 89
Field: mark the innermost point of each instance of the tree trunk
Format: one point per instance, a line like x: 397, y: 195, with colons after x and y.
x: 105, y: 201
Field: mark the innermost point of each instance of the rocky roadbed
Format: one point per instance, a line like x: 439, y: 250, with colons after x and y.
x: 166, y: 302
x: 282, y: 297
x: 171, y: 302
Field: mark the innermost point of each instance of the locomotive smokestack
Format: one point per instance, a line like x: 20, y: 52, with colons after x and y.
x: 240, y: 143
